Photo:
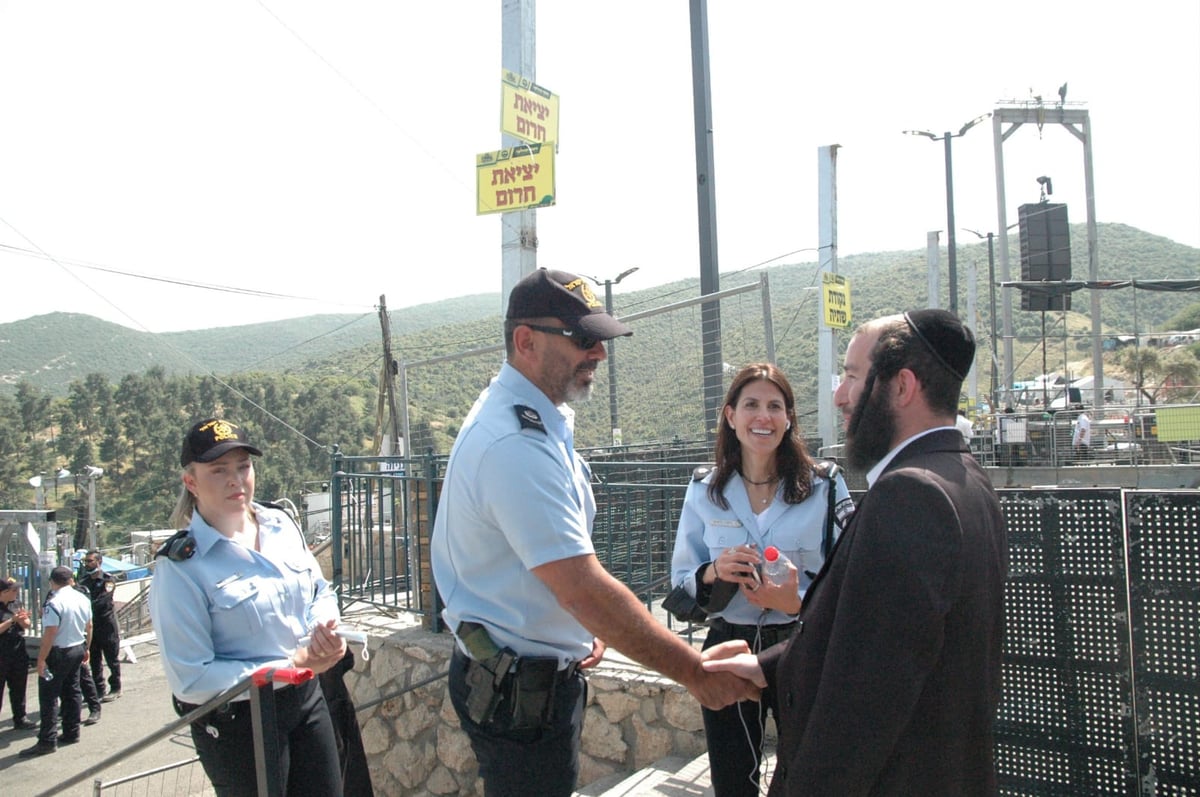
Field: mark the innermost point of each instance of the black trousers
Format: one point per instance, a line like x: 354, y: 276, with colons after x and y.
x: 541, y: 762
x: 308, y: 757
x: 63, y: 685
x: 734, y: 734
x: 106, y: 644
x: 14, y: 675
x: 87, y: 687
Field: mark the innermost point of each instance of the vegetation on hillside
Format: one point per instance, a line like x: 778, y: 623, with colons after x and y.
x: 76, y: 391
x: 133, y: 430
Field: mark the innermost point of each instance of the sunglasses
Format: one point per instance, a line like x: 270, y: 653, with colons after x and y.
x: 582, y: 341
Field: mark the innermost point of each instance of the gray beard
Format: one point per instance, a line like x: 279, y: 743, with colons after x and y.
x: 577, y: 392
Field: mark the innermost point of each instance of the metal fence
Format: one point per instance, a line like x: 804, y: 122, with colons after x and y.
x: 1166, y: 434
x: 1102, y: 652
x: 642, y: 380
x: 1102, y: 655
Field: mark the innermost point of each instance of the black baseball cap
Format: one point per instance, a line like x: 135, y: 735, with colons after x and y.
x: 548, y: 293
x: 211, y: 438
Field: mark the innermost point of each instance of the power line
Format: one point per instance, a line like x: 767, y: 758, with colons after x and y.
x: 42, y: 255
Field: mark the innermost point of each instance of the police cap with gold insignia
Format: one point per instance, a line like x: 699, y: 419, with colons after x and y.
x: 547, y: 293
x: 211, y: 438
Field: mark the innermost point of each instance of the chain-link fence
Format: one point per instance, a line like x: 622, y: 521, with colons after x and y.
x: 635, y: 395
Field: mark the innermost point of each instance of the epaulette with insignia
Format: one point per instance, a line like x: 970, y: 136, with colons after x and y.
x: 827, y: 469
x: 529, y: 418
x: 699, y: 473
x: 180, y: 547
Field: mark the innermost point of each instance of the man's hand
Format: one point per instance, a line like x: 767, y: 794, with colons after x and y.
x: 591, y: 660
x: 734, y: 657
x: 725, y: 688
x: 716, y: 690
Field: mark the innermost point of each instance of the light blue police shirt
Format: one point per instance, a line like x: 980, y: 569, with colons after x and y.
x: 705, y: 530
x: 70, y: 610
x: 229, y: 610
x: 515, y: 496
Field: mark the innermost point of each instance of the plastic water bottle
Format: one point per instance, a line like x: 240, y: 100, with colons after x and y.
x: 775, y: 565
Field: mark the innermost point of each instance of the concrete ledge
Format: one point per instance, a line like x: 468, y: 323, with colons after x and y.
x: 414, y: 744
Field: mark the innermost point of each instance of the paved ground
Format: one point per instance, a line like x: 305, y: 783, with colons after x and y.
x: 145, y: 707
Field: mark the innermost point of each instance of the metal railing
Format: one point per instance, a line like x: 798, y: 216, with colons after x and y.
x: 1167, y: 434
x: 261, y: 689
x: 1102, y: 654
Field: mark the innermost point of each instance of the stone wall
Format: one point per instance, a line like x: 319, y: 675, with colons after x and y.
x: 415, y: 747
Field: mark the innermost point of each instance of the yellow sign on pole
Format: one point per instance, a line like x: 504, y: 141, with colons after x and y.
x: 514, y: 179
x: 527, y: 110
x: 835, y: 292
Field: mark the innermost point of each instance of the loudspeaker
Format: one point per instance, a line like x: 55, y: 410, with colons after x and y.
x: 1045, y: 252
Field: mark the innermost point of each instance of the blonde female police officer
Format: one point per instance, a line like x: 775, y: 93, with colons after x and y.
x: 235, y: 592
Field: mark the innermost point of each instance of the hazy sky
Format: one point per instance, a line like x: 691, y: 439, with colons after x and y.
x: 325, y: 151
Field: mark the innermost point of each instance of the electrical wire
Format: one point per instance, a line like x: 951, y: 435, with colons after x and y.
x: 63, y: 263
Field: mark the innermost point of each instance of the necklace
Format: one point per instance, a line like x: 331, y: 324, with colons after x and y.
x: 770, y: 480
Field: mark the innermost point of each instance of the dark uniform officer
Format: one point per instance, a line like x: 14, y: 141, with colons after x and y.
x: 106, y: 636
x: 14, y: 659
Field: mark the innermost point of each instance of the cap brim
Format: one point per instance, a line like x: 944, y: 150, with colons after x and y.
x: 601, y: 325
x: 221, y: 449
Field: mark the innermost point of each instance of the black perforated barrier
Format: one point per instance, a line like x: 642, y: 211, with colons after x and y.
x: 1164, y: 568
x: 1101, y: 660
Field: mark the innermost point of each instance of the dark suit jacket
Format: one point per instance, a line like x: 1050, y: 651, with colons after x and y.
x: 890, y: 684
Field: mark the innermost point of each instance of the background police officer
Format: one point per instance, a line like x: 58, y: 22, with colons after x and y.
x: 66, y: 635
x: 106, y: 636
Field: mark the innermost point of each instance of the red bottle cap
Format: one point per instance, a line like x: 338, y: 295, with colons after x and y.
x: 771, y: 553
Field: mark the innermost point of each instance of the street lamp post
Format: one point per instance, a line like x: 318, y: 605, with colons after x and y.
x: 992, y: 313
x: 950, y: 242
x: 612, y: 354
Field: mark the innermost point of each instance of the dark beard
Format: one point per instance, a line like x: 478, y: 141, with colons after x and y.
x: 871, y: 431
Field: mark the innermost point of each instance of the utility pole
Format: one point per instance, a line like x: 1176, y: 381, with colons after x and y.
x: 393, y: 444
x: 946, y: 138
x: 706, y: 201
x: 518, y: 229
x: 995, y: 392
x: 614, y: 425
x: 93, y: 473
x: 826, y: 339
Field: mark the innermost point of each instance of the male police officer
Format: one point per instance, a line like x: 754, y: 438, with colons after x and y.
x: 66, y: 637
x: 106, y: 636
x: 513, y: 559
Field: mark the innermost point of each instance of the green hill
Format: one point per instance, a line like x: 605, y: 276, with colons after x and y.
x: 78, y: 392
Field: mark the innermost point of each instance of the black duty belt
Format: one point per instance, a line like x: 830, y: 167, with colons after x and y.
x: 768, y: 634
x: 525, y: 670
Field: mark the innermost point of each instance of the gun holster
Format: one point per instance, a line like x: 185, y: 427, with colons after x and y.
x: 517, y: 693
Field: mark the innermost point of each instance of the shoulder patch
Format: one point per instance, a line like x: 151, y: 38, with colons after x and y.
x: 843, y: 512
x: 827, y: 469
x: 699, y: 473
x: 179, y: 547
x: 529, y: 418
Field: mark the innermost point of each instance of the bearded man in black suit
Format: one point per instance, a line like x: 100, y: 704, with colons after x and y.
x: 891, y: 682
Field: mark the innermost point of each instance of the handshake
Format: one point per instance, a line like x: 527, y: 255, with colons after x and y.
x: 729, y: 673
